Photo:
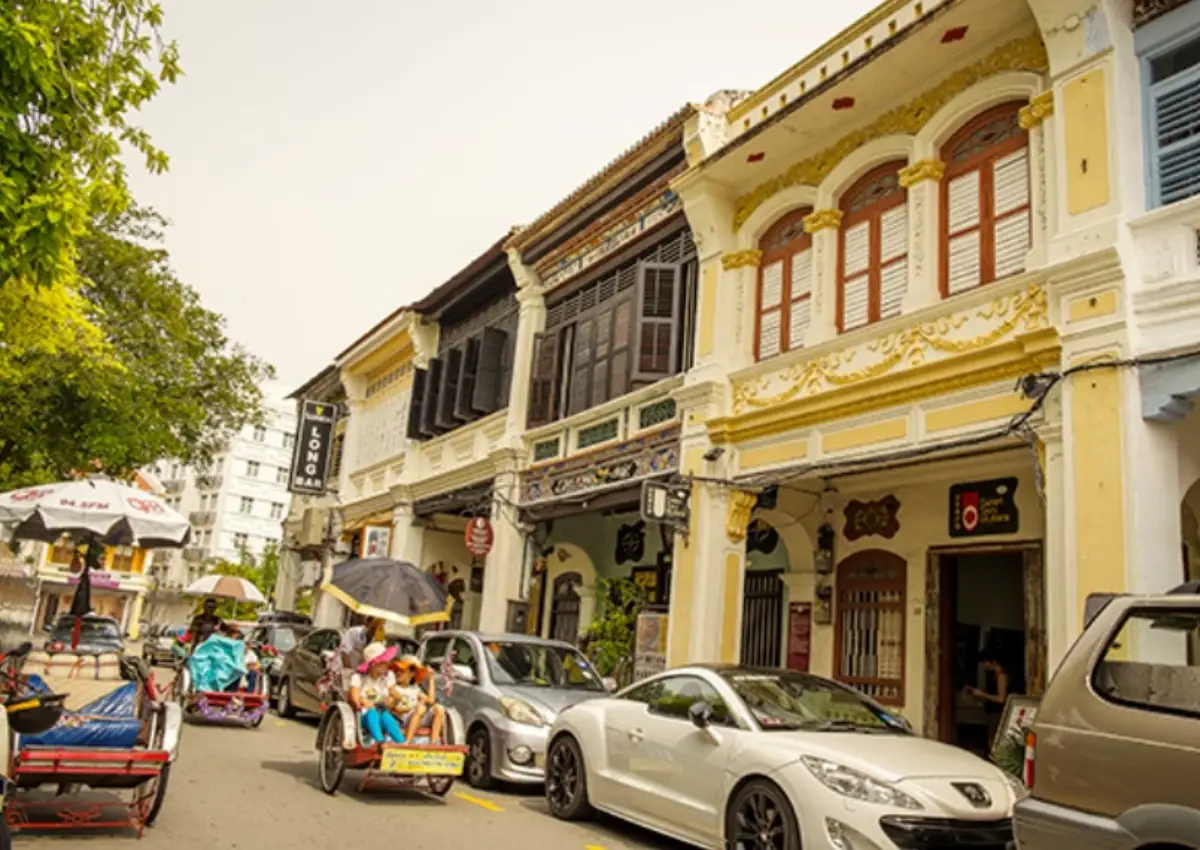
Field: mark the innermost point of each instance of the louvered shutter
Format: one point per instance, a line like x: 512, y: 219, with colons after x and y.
x: 543, y: 383
x: 893, y: 259
x: 429, y: 399
x: 468, y: 368
x: 1176, y: 130
x: 448, y: 391
x: 601, y: 353
x: 620, y: 359
x: 770, y: 311
x: 581, y: 365
x: 856, y: 285
x: 962, y: 223
x: 486, y: 396
x: 1010, y: 207
x: 800, y: 313
x: 656, y: 352
x: 414, y: 405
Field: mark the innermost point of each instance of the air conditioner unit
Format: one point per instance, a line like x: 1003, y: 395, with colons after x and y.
x: 312, y: 527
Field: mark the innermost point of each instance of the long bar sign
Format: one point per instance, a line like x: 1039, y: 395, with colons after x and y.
x: 314, y: 441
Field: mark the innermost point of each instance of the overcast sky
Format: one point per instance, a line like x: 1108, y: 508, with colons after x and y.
x: 331, y: 162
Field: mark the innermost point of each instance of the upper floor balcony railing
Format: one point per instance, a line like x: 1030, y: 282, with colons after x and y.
x: 209, y: 481
x: 202, y: 519
x: 175, y: 486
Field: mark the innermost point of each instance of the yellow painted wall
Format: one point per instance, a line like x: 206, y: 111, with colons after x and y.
x: 1088, y: 307
x: 683, y: 569
x: 1085, y: 130
x: 731, y: 599
x: 770, y: 455
x: 706, y: 323
x: 865, y: 435
x: 974, y: 412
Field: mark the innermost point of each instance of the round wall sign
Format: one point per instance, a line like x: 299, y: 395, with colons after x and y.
x: 479, y: 536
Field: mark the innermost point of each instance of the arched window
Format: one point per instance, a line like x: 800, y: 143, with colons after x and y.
x: 985, y: 201
x: 873, y: 255
x: 785, y: 272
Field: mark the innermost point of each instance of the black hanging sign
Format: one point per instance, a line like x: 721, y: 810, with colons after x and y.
x: 982, y: 508
x: 314, y: 441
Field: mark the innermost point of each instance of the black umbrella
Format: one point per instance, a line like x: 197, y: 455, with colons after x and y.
x: 81, y: 603
x: 391, y: 590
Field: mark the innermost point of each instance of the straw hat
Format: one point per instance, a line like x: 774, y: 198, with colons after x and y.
x: 376, y: 653
x: 411, y: 662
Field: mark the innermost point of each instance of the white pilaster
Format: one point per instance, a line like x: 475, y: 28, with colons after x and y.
x: 923, y: 181
x: 408, y: 538
x: 503, y: 566
x: 531, y: 321
x: 824, y: 225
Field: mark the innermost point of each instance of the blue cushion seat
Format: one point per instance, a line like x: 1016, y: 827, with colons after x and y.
x: 109, y: 721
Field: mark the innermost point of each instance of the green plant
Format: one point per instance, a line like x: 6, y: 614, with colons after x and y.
x: 610, y: 638
x: 1009, y: 753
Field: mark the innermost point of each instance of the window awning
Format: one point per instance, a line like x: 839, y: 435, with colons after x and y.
x: 1170, y: 390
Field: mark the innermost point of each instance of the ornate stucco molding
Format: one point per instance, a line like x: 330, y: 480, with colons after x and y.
x: 919, y: 172
x: 828, y: 219
x: 741, y: 259
x: 1039, y: 109
x: 1021, y: 54
x: 737, y: 517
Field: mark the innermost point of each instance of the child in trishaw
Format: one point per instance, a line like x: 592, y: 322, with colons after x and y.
x: 391, y: 705
x: 418, y: 708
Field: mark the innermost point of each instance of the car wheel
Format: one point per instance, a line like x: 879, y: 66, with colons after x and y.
x: 283, y: 703
x: 479, y: 759
x: 566, y: 780
x: 759, y: 817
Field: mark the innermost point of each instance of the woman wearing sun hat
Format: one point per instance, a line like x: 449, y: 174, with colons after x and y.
x: 372, y: 687
x: 417, y: 707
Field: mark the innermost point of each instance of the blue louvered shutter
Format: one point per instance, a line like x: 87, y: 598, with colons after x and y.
x: 1175, y: 136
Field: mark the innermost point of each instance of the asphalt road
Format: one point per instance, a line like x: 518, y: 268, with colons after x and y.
x: 252, y: 789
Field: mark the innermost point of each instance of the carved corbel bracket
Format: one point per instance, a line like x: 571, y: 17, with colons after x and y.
x: 737, y: 520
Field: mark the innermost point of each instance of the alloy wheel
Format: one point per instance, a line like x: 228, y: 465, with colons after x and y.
x: 479, y: 759
x: 760, y: 822
x: 562, y: 777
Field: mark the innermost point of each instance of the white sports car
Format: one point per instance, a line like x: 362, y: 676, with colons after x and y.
x: 754, y: 759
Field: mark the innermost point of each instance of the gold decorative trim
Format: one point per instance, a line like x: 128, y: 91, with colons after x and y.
x: 1025, y: 310
x: 1021, y: 54
x: 919, y: 172
x: 741, y: 259
x: 737, y: 519
x: 1039, y: 109
x: 828, y: 219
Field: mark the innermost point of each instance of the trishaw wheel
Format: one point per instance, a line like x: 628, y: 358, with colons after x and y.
x: 160, y: 794
x: 5, y: 835
x: 332, y: 766
x: 440, y: 786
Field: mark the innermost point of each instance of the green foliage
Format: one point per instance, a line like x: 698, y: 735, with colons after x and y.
x: 611, y: 636
x: 1009, y: 753
x: 261, y: 572
x: 71, y: 74
x: 175, y: 385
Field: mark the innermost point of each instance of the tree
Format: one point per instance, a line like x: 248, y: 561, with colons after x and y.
x: 71, y: 72
x: 174, y: 386
x: 610, y: 639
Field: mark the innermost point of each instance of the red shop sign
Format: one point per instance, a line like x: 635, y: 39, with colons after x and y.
x: 479, y: 536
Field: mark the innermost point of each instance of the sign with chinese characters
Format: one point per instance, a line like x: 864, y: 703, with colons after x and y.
x: 479, y: 536
x: 314, y: 444
x: 869, y: 519
x: 982, y: 508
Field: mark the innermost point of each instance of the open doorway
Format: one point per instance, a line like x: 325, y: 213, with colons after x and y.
x: 983, y: 641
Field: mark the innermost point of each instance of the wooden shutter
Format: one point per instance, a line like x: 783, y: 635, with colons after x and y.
x: 468, y: 369
x: 770, y: 310
x: 656, y: 352
x: 1010, y: 211
x: 800, y: 296
x: 620, y: 369
x: 1175, y: 130
x: 429, y: 399
x: 543, y: 383
x: 601, y: 354
x: 856, y: 275
x: 870, y: 633
x: 416, y: 397
x: 581, y: 364
x: 448, y: 391
x: 486, y: 397
x: 963, y: 219
x: 893, y: 260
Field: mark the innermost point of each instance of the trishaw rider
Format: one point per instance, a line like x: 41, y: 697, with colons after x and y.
x: 372, y: 688
x: 205, y: 623
x: 417, y: 707
x: 349, y: 654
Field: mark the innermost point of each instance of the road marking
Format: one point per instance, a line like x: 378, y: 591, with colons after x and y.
x: 592, y: 847
x: 279, y: 723
x: 484, y: 804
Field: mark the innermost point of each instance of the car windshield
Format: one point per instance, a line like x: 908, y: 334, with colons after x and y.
x: 90, y: 631
x: 541, y: 665
x: 790, y: 701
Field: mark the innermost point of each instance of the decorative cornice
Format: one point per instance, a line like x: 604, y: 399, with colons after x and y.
x: 1039, y: 109
x: 919, y: 172
x: 741, y: 259
x: 1022, y: 54
x: 828, y: 219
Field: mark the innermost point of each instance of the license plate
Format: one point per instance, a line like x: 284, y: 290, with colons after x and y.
x: 413, y: 761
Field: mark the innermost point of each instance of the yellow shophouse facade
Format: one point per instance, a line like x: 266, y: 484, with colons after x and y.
x: 900, y: 228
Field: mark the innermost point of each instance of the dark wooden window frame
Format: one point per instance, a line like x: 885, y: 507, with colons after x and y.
x: 982, y: 162
x: 873, y: 212
x: 843, y: 583
x: 773, y: 253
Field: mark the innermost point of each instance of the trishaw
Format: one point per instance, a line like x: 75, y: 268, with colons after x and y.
x: 421, y: 765
x: 84, y: 721
x: 237, y: 706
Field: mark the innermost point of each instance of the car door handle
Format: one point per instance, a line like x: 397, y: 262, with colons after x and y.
x: 637, y: 735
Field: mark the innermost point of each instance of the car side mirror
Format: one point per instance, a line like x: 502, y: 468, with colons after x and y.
x: 610, y: 684
x: 701, y: 714
x: 464, y: 674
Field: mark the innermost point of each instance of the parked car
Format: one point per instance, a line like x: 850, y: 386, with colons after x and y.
x: 508, y: 689
x: 158, y: 642
x: 1113, y: 758
x: 271, y: 641
x: 289, y: 617
x: 304, y: 666
x: 97, y: 634
x: 728, y: 756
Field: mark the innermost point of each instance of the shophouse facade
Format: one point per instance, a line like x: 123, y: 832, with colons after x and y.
x: 901, y: 227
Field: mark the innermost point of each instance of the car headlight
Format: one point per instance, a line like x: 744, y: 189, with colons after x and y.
x: 520, y: 711
x: 1017, y: 786
x: 857, y: 785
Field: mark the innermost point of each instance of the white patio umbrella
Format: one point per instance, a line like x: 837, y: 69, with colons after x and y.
x: 226, y: 587
x: 98, y: 508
